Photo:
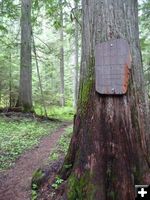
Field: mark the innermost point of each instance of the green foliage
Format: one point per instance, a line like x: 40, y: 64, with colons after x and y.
x: 34, y: 194
x: 65, y: 140
x: 145, y: 16
x: 54, y: 155
x: 67, y: 166
x: 112, y: 195
x: 17, y: 136
x: 37, y: 177
x: 46, y: 29
x: 3, y: 28
x: 144, y: 19
x: 61, y: 113
x: 62, y: 146
x: 9, y: 8
x: 78, y: 187
x: 57, y: 182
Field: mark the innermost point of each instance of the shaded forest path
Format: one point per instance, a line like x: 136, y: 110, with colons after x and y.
x: 15, y: 183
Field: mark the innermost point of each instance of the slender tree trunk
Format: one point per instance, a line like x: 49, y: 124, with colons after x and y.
x: 62, y: 97
x: 10, y: 81
x: 109, y: 150
x: 39, y: 77
x: 0, y: 93
x: 0, y: 88
x: 25, y: 93
x: 75, y: 94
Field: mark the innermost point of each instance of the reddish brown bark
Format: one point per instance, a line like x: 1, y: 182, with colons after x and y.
x: 109, y: 149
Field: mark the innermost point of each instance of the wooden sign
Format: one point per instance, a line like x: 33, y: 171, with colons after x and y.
x: 112, y: 67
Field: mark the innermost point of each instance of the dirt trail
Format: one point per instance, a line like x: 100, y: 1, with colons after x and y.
x: 15, y: 183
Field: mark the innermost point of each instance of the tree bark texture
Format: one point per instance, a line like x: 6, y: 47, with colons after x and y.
x: 75, y: 97
x: 62, y: 97
x: 25, y: 96
x: 109, y: 150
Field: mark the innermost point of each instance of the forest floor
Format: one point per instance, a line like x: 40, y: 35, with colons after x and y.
x: 15, y: 183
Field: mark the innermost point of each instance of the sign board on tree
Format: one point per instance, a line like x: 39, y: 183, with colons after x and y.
x: 112, y: 67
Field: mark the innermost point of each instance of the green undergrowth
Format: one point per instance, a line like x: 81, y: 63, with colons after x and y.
x: 77, y: 188
x: 57, y: 112
x: 60, y: 149
x: 16, y: 136
x: 62, y: 145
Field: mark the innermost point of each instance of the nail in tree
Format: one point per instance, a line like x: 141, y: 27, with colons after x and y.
x: 108, y: 153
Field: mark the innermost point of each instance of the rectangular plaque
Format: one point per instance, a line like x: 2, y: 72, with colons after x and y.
x: 112, y: 67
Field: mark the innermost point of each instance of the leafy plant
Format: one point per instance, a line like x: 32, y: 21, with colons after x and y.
x: 34, y: 192
x: 61, y: 113
x: 68, y: 166
x: 62, y: 145
x: 57, y: 183
x: 17, y: 136
x: 37, y: 177
x: 54, y: 155
x: 36, y: 180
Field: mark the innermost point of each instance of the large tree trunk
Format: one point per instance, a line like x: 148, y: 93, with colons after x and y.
x: 25, y: 93
x: 62, y: 97
x: 109, y: 148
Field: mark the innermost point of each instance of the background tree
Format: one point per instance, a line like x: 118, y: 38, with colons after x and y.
x: 109, y: 131
x: 62, y: 95
x: 46, y: 27
x: 75, y: 92
x: 144, y: 10
x: 9, y: 28
x: 25, y: 90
